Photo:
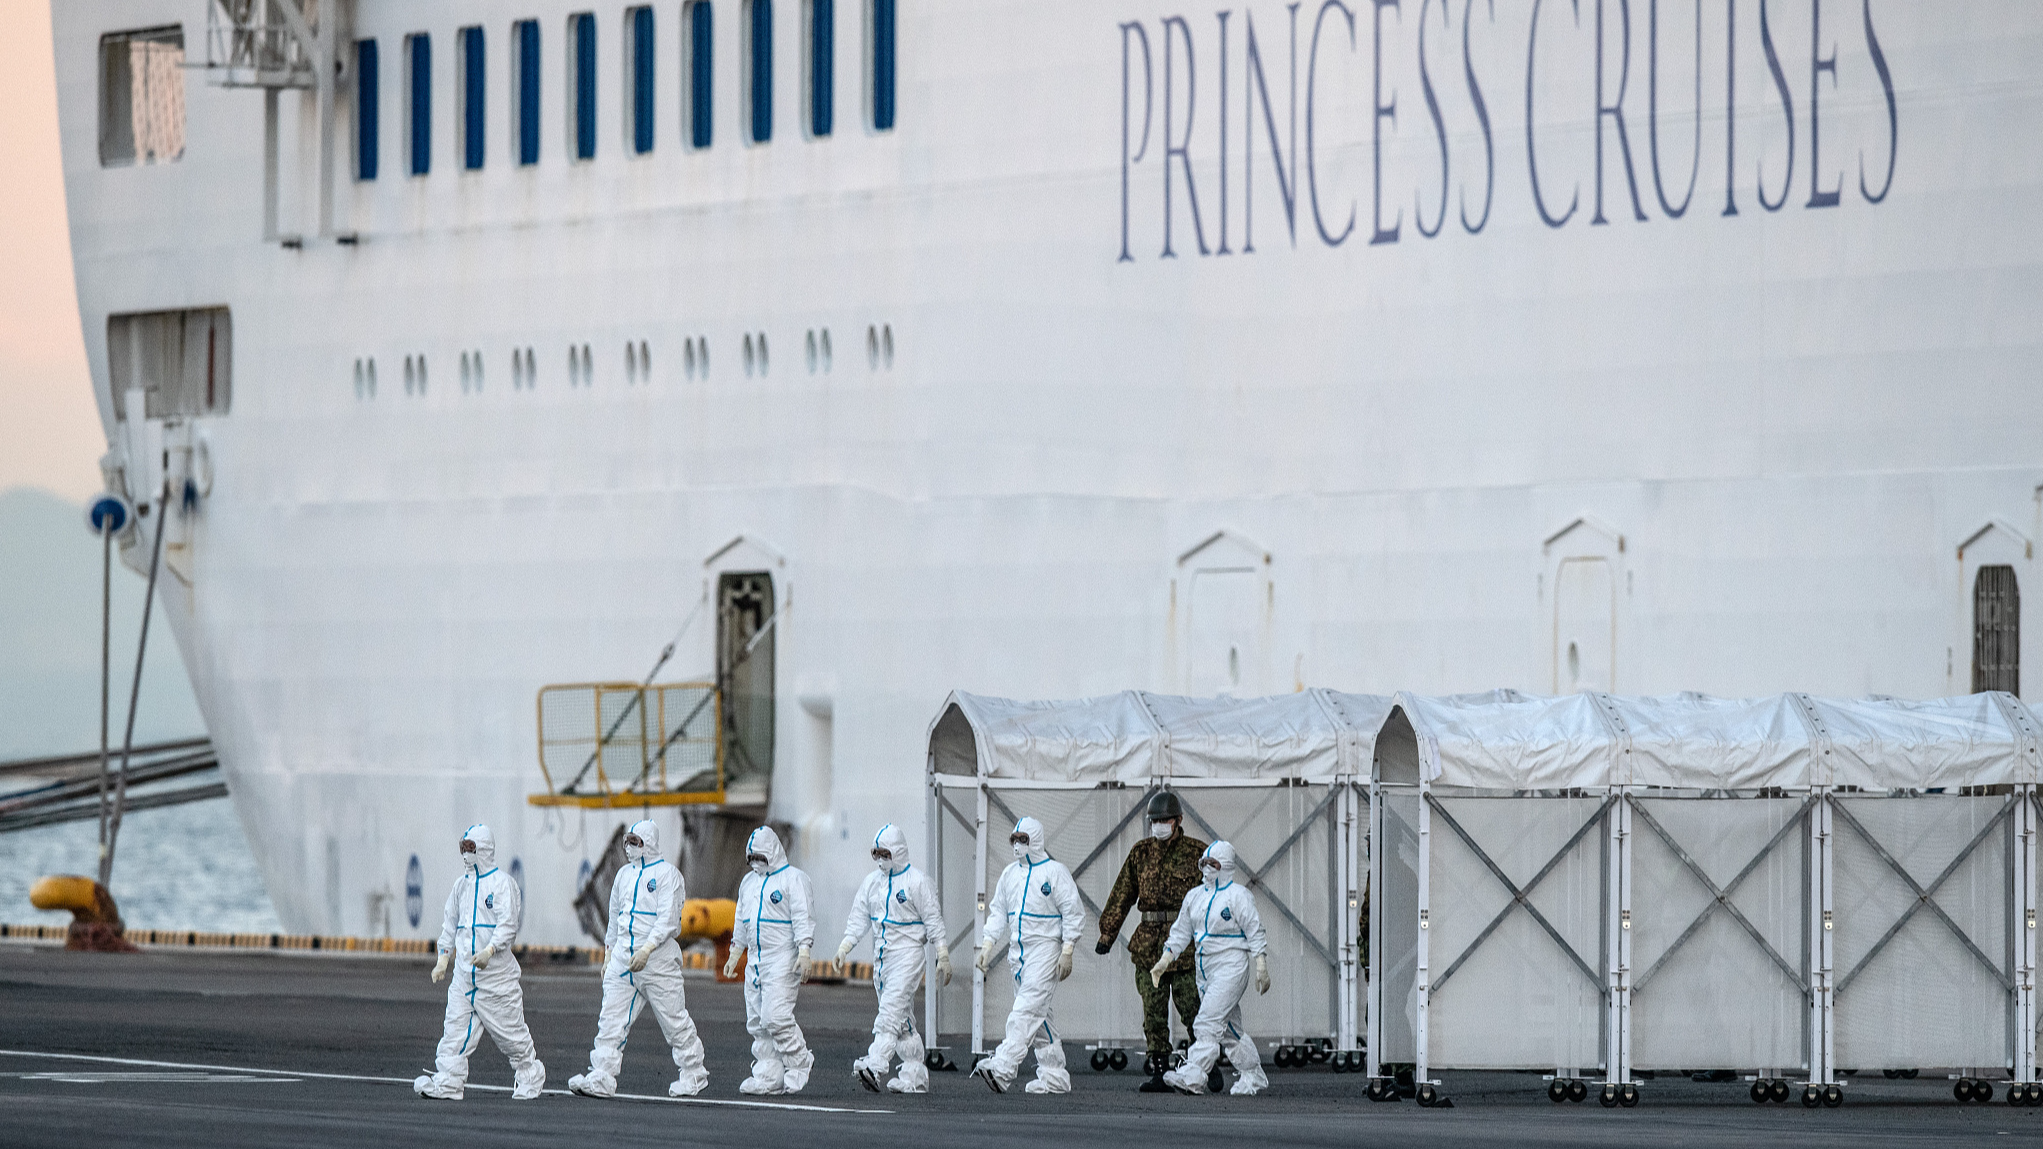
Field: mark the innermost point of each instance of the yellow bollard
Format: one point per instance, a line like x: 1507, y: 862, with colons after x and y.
x: 95, y: 920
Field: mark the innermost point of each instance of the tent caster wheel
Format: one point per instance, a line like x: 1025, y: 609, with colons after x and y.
x: 1118, y: 1059
x: 1557, y: 1091
x: 1608, y: 1098
x: 1811, y: 1097
x: 1833, y: 1097
x: 1628, y: 1095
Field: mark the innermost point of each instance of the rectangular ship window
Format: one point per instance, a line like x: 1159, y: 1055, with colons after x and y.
x: 366, y: 109
x: 182, y: 361
x: 638, y: 61
x: 472, y: 102
x: 697, y: 22
x: 883, y: 65
x: 581, y: 66
x: 821, y: 49
x: 418, y: 98
x: 141, y: 97
x: 759, y: 70
x: 525, y: 33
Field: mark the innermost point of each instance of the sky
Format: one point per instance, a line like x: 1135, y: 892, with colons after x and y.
x: 50, y: 437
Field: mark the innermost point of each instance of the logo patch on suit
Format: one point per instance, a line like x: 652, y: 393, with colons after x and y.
x: 1226, y: 915
x: 1046, y: 889
x: 775, y: 899
x: 901, y: 896
x: 490, y: 901
x: 652, y: 884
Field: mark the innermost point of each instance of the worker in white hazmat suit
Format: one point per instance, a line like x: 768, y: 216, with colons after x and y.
x: 476, y: 935
x: 643, y: 970
x: 1036, y: 909
x: 1219, y: 923
x: 899, y: 905
x: 774, y: 925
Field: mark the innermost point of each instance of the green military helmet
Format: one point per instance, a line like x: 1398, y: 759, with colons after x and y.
x: 1164, y: 806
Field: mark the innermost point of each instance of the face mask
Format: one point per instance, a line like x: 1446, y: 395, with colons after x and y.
x: 1160, y: 830
x: 1020, y: 851
x: 758, y: 865
x: 884, y: 863
x: 1212, y: 874
x: 467, y: 852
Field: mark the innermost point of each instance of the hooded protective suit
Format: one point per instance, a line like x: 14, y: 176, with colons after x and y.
x: 900, y: 906
x: 482, y: 916
x: 1035, y: 908
x: 774, y: 926
x: 1219, y: 925
x: 645, y: 915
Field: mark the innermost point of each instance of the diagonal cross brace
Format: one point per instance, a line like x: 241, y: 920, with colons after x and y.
x: 1721, y: 898
x: 1140, y: 805
x: 1521, y: 897
x: 1926, y: 897
x: 1255, y: 877
x: 993, y: 796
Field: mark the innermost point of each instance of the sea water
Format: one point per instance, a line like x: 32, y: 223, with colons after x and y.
x: 180, y: 867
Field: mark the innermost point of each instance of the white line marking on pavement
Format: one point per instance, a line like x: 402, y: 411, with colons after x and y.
x: 116, y: 1077
x: 407, y: 1082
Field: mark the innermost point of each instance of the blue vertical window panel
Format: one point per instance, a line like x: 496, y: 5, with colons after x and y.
x: 421, y: 49
x: 528, y: 91
x: 822, y: 66
x: 883, y: 65
x: 471, y: 98
x: 585, y: 87
x: 366, y: 110
x: 699, y: 74
x: 642, y: 80
x: 762, y: 71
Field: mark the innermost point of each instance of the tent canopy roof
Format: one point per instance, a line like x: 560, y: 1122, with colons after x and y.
x: 1135, y: 737
x: 1692, y: 741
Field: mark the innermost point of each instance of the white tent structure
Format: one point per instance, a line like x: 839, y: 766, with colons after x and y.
x: 1280, y: 777
x: 1792, y: 885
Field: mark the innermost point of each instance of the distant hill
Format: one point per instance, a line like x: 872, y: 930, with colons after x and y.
x: 49, y: 637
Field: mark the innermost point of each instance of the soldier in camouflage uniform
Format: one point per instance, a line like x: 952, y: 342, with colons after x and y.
x: 1159, y: 871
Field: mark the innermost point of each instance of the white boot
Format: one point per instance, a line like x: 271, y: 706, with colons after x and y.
x: 899, y: 1086
x: 426, y: 1087
x: 586, y: 1085
x: 1186, y: 1079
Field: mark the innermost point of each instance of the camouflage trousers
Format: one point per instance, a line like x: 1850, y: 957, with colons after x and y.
x: 1156, y: 1003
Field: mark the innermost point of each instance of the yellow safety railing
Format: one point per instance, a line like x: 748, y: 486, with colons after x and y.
x: 609, y: 745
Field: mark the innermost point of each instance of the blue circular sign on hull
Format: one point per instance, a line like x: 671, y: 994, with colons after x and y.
x: 108, y: 514
x: 414, y: 891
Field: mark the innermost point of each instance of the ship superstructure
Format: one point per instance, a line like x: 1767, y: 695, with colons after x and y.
x: 1041, y: 349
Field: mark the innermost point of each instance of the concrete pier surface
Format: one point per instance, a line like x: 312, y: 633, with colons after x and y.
x: 217, y: 1049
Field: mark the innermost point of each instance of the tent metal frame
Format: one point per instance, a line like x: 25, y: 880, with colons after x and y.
x: 1340, y: 808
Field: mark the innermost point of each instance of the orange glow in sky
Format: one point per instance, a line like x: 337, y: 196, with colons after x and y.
x: 50, y: 435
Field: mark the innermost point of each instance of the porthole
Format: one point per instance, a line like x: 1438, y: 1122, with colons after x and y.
x: 872, y: 348
x: 372, y: 377
x: 688, y: 357
x: 630, y: 362
x: 826, y: 351
x: 358, y: 379
x: 762, y: 353
x: 702, y: 356
x: 588, y: 366
x: 410, y: 376
x: 811, y: 340
x: 422, y: 375
x: 887, y: 345
x: 750, y: 361
x: 475, y: 361
x: 645, y: 361
x: 531, y: 369
x: 464, y: 372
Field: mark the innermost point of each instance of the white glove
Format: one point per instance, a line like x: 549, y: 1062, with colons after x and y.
x: 1262, y: 974
x: 440, y: 967
x: 985, y: 959
x: 844, y: 949
x: 1156, y: 971
x: 639, y: 959
x: 731, y: 966
x: 1064, y: 963
x: 483, y: 955
x: 802, y: 961
x: 943, y: 965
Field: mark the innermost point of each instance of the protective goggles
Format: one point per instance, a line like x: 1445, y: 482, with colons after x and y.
x: 467, y: 847
x: 1018, y: 839
x: 880, y: 855
x: 760, y: 858
x: 633, y: 840
x: 1211, y: 864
